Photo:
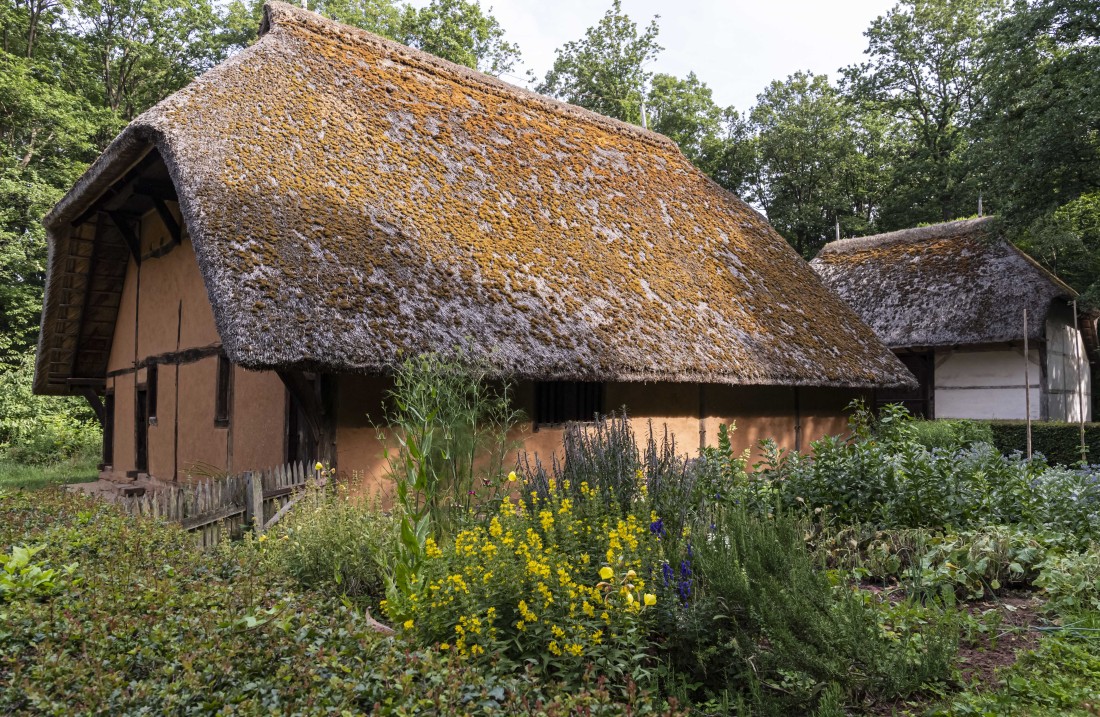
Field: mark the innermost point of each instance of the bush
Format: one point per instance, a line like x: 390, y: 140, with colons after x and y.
x: 559, y: 586
x: 769, y: 628
x: 149, y: 625
x: 950, y: 435
x: 40, y: 430
x: 882, y: 478
x: 333, y: 544
x: 1071, y: 582
x: 1059, y: 443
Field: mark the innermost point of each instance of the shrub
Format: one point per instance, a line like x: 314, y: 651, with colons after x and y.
x: 40, y: 430
x: 149, y: 625
x: 950, y: 435
x: 333, y: 544
x: 559, y: 585
x: 1059, y: 442
x: 1071, y: 582
x: 451, y: 426
x: 766, y: 625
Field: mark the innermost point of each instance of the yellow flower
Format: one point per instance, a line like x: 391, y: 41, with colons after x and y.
x: 512, y: 477
x: 318, y: 466
x: 631, y: 574
x: 650, y: 599
x: 408, y: 624
x: 262, y: 538
x: 606, y: 573
x: 444, y: 646
x: 630, y: 598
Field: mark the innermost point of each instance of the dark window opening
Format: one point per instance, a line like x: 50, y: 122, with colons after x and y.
x: 151, y: 387
x: 141, y: 430
x: 300, y: 444
x: 221, y: 401
x: 109, y: 429
x: 918, y: 401
x: 564, y: 401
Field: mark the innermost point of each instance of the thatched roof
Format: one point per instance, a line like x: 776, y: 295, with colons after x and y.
x: 943, y: 285
x: 352, y: 201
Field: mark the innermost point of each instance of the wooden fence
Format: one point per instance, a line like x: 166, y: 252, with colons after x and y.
x: 220, y: 508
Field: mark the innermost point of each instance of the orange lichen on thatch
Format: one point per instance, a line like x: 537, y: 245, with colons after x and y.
x: 944, y: 285
x: 352, y: 201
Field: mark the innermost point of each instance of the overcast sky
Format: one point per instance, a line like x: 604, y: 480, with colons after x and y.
x: 736, y: 46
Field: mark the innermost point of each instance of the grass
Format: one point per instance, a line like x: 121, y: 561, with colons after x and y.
x: 79, y: 469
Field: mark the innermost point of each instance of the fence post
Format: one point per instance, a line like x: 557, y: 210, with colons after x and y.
x: 254, y: 504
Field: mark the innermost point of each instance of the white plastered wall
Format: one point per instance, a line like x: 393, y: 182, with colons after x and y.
x: 987, y: 384
x: 1069, y: 383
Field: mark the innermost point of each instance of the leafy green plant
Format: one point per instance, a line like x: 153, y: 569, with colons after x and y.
x: 1071, y: 582
x: 451, y: 426
x: 22, y: 579
x: 332, y: 543
x: 764, y: 624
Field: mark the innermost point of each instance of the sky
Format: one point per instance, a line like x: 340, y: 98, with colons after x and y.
x: 736, y: 46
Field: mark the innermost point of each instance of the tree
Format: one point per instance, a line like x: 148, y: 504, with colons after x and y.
x: 923, y: 72
x: 605, y: 70
x: 47, y: 138
x: 684, y: 111
x: 459, y: 31
x: 139, y: 51
x: 1038, y: 135
x: 813, y: 162
x: 242, y: 18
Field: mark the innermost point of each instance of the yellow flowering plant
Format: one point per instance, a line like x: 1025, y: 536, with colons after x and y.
x: 546, y: 586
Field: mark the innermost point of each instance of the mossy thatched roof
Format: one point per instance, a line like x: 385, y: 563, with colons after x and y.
x: 352, y: 201
x: 949, y: 284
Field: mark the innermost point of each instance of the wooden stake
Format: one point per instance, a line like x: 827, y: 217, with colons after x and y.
x: 1027, y: 387
x: 1079, y: 389
x: 255, y: 503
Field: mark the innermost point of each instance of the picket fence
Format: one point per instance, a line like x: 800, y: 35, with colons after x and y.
x: 219, y: 508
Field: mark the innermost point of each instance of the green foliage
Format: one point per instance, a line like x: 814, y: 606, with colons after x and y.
x: 334, y: 544
x: 41, y: 430
x: 605, y: 71
x: 149, y: 625
x: 20, y: 579
x: 950, y: 435
x: 451, y: 427
x: 1071, y: 582
x: 766, y: 625
x: 1060, y: 677
x: 924, y: 73
x: 1039, y: 121
x: 459, y: 31
x: 884, y: 478
x: 816, y: 162
x: 1059, y: 443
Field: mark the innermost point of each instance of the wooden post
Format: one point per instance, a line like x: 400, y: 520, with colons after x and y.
x: 1079, y: 389
x: 254, y: 504
x: 1027, y: 387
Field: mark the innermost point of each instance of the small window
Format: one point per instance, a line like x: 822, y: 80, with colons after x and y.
x: 221, y: 401
x: 563, y: 401
x: 151, y: 392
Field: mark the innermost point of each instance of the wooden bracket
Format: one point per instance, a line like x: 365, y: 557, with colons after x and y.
x: 94, y: 401
x: 169, y: 220
x: 125, y: 228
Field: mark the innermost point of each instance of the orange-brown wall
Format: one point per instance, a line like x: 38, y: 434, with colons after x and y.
x: 165, y: 310
x: 759, y: 412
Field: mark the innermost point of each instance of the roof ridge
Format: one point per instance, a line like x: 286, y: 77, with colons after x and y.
x: 277, y: 13
x: 914, y: 234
